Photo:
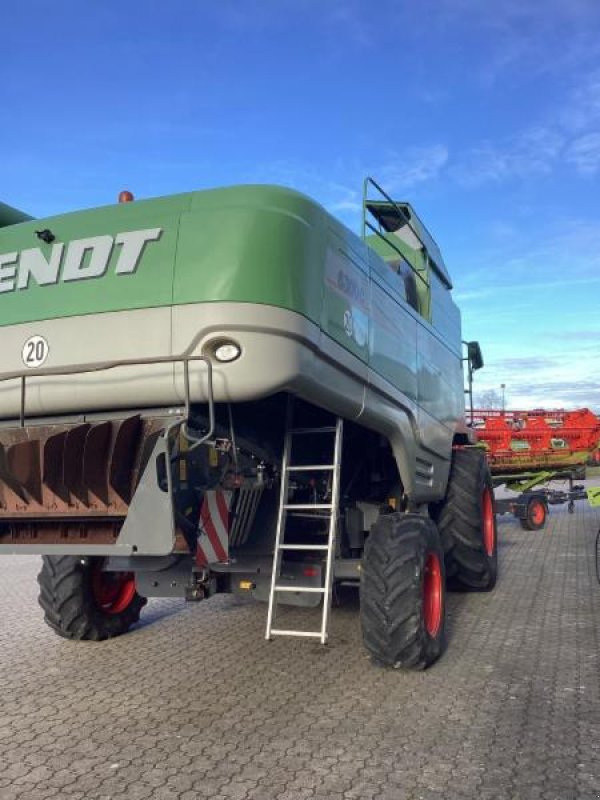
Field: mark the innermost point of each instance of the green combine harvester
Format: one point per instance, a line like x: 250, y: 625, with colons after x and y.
x: 229, y: 391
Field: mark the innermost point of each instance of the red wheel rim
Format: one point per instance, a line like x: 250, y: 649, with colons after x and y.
x: 489, y: 527
x: 538, y: 513
x: 432, y: 595
x: 113, y: 591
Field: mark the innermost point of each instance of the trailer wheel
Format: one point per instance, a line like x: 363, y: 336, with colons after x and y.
x: 467, y: 523
x: 80, y: 601
x: 535, y: 517
x: 402, y: 592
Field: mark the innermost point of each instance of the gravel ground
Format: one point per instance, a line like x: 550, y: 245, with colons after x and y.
x: 193, y: 703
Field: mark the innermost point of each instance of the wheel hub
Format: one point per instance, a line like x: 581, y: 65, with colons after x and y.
x: 489, y: 532
x: 537, y: 513
x: 432, y: 595
x: 113, y: 591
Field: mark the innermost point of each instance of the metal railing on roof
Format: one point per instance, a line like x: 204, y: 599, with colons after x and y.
x: 366, y: 224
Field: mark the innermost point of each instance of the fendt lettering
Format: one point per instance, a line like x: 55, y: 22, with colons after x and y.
x: 80, y: 259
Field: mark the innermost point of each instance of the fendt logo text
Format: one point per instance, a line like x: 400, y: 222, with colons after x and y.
x: 78, y: 260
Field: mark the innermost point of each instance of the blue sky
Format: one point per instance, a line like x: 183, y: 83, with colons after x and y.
x: 485, y: 116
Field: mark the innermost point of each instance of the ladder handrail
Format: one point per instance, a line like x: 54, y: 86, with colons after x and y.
x: 333, y: 522
x: 281, y: 513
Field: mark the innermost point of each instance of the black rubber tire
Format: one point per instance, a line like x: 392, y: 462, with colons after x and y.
x: 528, y: 522
x: 392, y: 591
x: 460, y: 519
x: 68, y: 602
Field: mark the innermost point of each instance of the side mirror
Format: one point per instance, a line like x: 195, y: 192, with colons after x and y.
x: 474, y: 355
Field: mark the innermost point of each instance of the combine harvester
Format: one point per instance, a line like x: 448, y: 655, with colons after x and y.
x: 527, y: 449
x: 229, y: 391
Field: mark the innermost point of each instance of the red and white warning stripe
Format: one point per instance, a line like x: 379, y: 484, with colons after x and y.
x: 213, y: 528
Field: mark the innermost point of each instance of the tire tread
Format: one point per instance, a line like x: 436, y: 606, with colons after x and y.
x: 459, y: 519
x: 391, y: 592
x: 69, y: 609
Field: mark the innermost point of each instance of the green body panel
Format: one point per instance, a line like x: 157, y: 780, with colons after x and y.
x: 346, y: 292
x: 11, y: 216
x: 415, y: 258
x: 151, y: 285
x: 262, y: 245
x: 252, y: 244
x: 390, y: 252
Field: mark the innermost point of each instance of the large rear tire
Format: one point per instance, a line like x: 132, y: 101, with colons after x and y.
x: 402, y: 592
x: 467, y: 523
x: 80, y: 601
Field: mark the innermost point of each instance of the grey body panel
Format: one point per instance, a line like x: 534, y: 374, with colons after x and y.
x: 149, y: 527
x: 281, y: 351
x: 172, y: 577
x: 257, y: 570
x: 171, y: 581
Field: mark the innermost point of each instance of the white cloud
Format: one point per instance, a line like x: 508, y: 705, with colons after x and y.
x: 582, y: 110
x: 528, y: 37
x: 340, y: 190
x: 572, y: 139
x: 348, y: 17
x: 415, y: 165
x: 584, y: 154
x: 532, y: 152
x: 517, y: 288
x: 543, y: 385
x: 345, y: 205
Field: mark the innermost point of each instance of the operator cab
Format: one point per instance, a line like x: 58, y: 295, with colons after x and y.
x: 401, y: 220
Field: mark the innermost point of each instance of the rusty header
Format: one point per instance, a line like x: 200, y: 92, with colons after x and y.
x: 81, y: 470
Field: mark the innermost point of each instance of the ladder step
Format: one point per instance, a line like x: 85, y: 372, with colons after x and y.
x: 308, y: 506
x: 311, y: 634
x: 314, y: 589
x: 329, y: 429
x: 304, y: 547
x: 311, y: 468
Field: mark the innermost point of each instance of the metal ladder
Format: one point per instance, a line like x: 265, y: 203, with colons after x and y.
x: 285, y: 506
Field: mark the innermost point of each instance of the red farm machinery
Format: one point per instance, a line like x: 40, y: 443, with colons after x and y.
x: 528, y: 449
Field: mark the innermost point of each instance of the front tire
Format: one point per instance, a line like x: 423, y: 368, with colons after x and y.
x: 80, y: 601
x: 402, y: 592
x: 467, y: 523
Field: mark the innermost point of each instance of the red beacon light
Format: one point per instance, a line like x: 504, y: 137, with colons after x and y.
x: 126, y: 196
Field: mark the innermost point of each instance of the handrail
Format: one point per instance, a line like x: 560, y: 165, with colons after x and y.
x: 368, y: 180
x: 415, y: 271
x: 366, y: 224
x: 78, y: 369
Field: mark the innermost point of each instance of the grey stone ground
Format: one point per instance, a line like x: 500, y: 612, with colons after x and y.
x: 195, y: 704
